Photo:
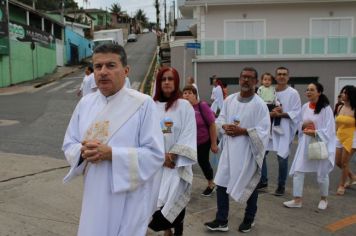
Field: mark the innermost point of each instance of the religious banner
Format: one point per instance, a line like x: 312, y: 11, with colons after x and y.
x: 4, y: 29
x: 25, y: 33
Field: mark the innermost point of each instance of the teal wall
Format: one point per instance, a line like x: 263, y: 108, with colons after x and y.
x: 26, y: 64
x: 4, y: 71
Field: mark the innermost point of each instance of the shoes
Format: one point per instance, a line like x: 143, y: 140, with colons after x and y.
x: 278, y: 130
x: 340, y: 191
x: 246, y: 225
x: 168, y: 232
x: 279, y: 191
x: 352, y: 181
x: 261, y: 186
x: 323, y: 204
x: 293, y: 204
x: 216, y: 225
x: 178, y: 230
x: 208, y: 191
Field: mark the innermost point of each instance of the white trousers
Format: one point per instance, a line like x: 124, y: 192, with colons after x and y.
x: 298, y: 183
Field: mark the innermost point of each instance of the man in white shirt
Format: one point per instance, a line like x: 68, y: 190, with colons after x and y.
x: 289, y: 112
x: 191, y: 81
x: 114, y: 139
x: 217, y: 96
x: 88, y: 85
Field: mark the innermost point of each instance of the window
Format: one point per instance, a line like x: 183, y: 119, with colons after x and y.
x: 244, y: 29
x: 242, y: 36
x: 330, y: 35
x: 331, y: 27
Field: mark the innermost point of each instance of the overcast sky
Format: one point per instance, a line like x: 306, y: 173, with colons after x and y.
x: 131, y: 6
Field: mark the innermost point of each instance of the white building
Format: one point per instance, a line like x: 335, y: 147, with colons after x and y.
x: 315, y: 39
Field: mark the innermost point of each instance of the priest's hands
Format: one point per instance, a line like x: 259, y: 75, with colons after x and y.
x: 234, y: 130
x: 94, y: 151
x: 169, y: 160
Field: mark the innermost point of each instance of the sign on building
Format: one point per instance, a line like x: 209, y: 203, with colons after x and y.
x: 193, y: 45
x: 4, y: 29
x: 25, y: 33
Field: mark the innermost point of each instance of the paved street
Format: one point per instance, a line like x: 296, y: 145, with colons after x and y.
x: 33, y: 200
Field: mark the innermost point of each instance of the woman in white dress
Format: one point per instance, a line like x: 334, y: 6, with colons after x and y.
x: 217, y: 96
x: 317, y: 120
x: 178, y: 125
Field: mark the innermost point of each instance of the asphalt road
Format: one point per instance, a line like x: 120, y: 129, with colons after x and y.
x: 43, y: 113
x: 33, y: 200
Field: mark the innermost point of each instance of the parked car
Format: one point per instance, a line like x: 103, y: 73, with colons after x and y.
x: 145, y: 30
x: 132, y: 38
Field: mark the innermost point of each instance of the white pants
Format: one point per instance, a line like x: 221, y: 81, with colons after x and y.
x: 298, y: 182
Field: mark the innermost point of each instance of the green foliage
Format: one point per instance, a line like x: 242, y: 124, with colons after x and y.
x: 115, y: 8
x: 141, y: 16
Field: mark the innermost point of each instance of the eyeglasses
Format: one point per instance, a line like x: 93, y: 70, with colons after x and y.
x: 282, y: 74
x: 167, y: 78
x: 310, y: 90
x: 249, y: 78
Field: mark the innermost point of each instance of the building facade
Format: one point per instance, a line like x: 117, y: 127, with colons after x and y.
x: 315, y: 39
x: 30, y: 40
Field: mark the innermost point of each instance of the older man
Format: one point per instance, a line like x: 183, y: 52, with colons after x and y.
x: 244, y: 122
x: 114, y: 139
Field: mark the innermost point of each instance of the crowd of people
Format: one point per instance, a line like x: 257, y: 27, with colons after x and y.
x: 136, y: 152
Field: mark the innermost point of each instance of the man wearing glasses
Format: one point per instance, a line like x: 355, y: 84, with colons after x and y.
x: 289, y: 112
x: 244, y: 123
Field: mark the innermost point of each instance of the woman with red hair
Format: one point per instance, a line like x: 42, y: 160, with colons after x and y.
x: 178, y: 125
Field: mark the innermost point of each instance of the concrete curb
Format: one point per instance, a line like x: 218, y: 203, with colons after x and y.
x: 147, y: 73
x: 50, y: 80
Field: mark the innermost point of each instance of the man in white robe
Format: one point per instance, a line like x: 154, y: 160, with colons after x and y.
x: 217, y: 96
x: 88, y: 85
x: 127, y: 82
x: 191, y: 81
x: 244, y: 122
x: 114, y: 139
x: 290, y: 114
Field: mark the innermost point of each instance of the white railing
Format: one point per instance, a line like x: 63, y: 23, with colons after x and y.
x: 279, y: 47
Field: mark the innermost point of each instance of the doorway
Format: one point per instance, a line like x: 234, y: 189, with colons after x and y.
x: 74, y: 54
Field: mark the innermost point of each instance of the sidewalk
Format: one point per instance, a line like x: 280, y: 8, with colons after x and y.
x: 34, y: 201
x: 59, y: 73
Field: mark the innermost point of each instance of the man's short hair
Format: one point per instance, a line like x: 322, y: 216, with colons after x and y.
x: 282, y: 68
x: 250, y: 69
x: 113, y: 48
x: 90, y: 68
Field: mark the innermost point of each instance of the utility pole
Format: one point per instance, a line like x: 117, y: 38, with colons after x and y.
x: 7, y: 16
x: 165, y: 16
x: 174, y: 16
x: 62, y: 12
x: 157, y: 17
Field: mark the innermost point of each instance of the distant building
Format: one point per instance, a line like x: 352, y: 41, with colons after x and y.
x: 315, y: 39
x: 30, y: 43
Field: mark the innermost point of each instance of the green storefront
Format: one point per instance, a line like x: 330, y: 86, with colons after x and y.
x: 28, y: 49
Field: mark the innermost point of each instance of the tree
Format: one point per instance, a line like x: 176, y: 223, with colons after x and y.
x: 115, y: 8
x: 141, y: 16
